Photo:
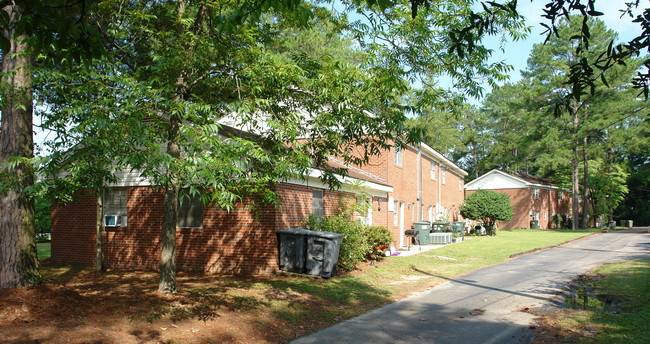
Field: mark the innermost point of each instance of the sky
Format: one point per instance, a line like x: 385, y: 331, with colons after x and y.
x: 516, y: 53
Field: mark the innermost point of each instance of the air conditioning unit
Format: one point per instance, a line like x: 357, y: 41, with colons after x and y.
x: 112, y: 220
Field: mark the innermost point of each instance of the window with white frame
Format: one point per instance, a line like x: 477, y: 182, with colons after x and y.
x: 433, y: 170
x: 317, y: 206
x: 560, y: 195
x: 535, y: 193
x: 115, y: 208
x: 190, y: 210
x: 443, y: 174
x: 398, y: 154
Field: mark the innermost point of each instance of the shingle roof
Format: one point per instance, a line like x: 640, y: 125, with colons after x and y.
x: 533, y: 179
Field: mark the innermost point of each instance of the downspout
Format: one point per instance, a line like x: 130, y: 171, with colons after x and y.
x: 419, y: 203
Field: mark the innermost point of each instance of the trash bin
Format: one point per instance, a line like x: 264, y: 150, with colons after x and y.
x: 599, y: 224
x: 458, y: 228
x: 612, y: 224
x: 323, y: 253
x: 292, y: 248
x: 423, y: 228
x: 630, y: 223
x: 534, y: 224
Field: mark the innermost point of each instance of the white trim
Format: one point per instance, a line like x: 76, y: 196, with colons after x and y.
x: 434, y: 155
x: 526, y: 184
x: 347, y: 184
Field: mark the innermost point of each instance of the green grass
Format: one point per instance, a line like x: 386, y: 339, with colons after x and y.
x: 44, y: 250
x: 619, y: 313
x: 471, y: 254
x: 396, y: 277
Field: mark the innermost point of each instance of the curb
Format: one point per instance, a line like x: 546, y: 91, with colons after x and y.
x: 535, y: 250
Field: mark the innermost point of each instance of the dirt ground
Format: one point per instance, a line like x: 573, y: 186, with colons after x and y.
x: 76, y: 305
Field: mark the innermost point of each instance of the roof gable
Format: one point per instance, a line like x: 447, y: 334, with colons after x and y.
x: 497, y: 179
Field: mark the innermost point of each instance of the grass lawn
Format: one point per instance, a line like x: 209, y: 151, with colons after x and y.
x: 617, y: 311
x: 239, y: 309
x: 44, y: 250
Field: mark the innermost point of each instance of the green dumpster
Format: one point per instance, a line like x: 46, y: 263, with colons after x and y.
x: 322, y: 253
x: 534, y: 224
x: 423, y: 228
x: 458, y: 229
x: 440, y: 227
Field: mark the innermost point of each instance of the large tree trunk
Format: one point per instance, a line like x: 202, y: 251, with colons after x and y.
x: 575, y: 204
x: 99, y: 262
x: 585, y: 188
x: 168, y: 255
x: 18, y: 254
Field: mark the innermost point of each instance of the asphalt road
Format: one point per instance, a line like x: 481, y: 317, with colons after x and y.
x: 485, y: 306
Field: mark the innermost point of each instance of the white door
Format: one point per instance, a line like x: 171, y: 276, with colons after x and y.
x: 401, y: 224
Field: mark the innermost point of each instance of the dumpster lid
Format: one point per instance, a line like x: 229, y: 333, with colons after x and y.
x: 295, y: 231
x: 324, y: 234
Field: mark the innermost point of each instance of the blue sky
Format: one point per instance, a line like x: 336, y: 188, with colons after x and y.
x: 516, y: 53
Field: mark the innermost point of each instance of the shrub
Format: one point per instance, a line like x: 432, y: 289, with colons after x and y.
x: 377, y: 238
x: 488, y: 206
x: 354, y: 246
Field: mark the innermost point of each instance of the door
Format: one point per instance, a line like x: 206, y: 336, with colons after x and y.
x: 401, y: 224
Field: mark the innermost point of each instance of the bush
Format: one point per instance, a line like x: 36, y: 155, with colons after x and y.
x: 488, y: 206
x: 378, y: 239
x: 354, y: 247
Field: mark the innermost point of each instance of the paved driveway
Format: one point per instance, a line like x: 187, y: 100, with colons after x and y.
x: 485, y: 306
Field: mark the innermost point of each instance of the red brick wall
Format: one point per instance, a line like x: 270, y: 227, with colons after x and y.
x: 523, y: 202
x: 73, y: 230
x: 452, y: 197
x: 429, y: 187
x: 236, y: 242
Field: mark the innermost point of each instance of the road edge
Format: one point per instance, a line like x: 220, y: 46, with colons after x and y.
x: 535, y: 250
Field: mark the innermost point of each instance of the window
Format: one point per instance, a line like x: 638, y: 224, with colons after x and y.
x: 443, y: 174
x: 115, y: 214
x: 395, y: 213
x: 317, y: 204
x: 535, y: 193
x: 433, y: 170
x: 560, y: 195
x: 398, y: 154
x: 190, y: 210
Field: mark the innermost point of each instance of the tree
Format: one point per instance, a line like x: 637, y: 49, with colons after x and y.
x: 488, y: 206
x: 18, y: 255
x: 28, y: 28
x: 544, y: 138
x: 187, y: 67
x: 608, y: 188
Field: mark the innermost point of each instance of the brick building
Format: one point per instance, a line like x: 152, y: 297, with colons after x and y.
x: 533, y: 198
x: 407, y: 184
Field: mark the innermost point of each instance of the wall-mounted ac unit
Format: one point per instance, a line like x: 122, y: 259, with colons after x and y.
x: 112, y: 220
